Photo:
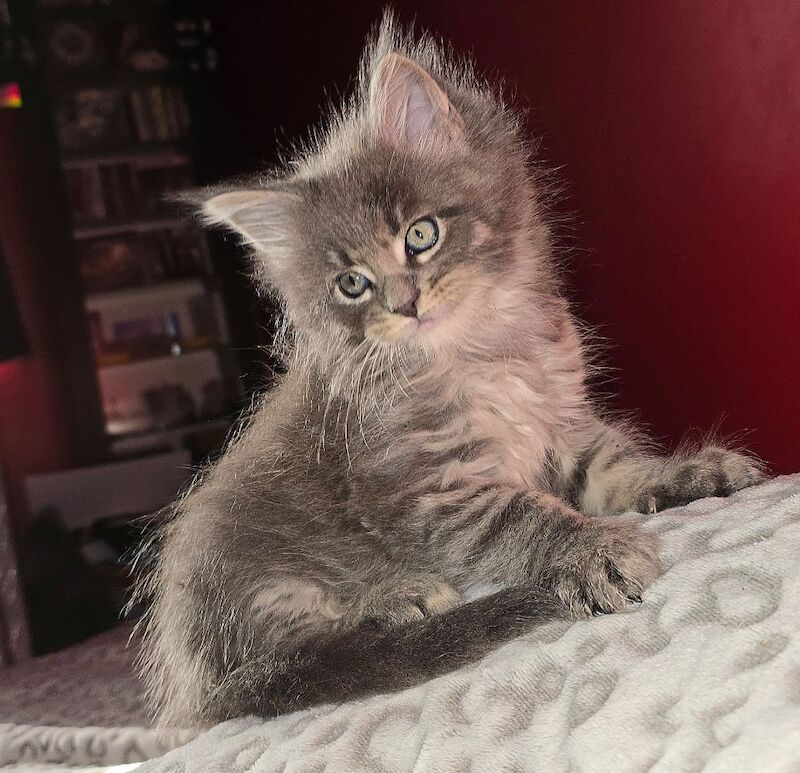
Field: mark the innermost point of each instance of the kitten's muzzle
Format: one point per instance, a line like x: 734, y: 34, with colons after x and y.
x: 407, y: 307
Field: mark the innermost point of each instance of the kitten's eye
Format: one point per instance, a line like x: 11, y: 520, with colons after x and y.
x: 353, y: 284
x: 421, y: 235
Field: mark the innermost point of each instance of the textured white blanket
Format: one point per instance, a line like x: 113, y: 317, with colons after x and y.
x: 705, y: 675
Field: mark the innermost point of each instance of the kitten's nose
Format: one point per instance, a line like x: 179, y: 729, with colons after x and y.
x: 409, y: 306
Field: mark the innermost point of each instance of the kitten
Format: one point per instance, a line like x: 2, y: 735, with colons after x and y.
x: 433, y: 431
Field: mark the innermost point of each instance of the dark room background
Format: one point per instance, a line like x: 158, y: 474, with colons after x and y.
x: 675, y: 127
x: 676, y: 130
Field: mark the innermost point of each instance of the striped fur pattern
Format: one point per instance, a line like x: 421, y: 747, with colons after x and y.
x: 431, y: 435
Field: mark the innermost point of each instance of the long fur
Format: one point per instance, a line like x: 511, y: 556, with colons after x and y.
x: 405, y: 457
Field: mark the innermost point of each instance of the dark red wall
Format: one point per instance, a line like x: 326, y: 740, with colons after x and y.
x: 678, y: 125
x: 677, y: 129
x: 34, y: 429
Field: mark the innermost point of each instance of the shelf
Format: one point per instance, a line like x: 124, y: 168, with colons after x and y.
x: 133, y: 429
x: 77, y: 80
x: 159, y: 361
x: 127, y: 225
x: 122, y: 154
x: 172, y: 437
x: 123, y: 10
x: 166, y: 290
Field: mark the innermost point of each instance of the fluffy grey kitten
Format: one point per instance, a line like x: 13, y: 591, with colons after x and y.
x: 433, y: 431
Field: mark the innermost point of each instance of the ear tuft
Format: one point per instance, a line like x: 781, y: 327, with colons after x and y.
x: 262, y: 217
x: 409, y: 108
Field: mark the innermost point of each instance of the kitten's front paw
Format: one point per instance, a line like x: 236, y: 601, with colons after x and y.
x: 607, y: 569
x: 711, y: 472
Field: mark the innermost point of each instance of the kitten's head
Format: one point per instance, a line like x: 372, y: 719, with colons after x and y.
x: 413, y: 222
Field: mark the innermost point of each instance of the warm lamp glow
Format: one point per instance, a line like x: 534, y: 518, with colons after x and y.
x: 10, y: 95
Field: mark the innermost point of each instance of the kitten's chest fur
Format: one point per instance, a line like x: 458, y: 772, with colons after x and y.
x: 488, y: 422
x: 512, y: 416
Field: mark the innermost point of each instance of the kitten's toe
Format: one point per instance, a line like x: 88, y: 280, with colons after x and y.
x: 409, y: 599
x: 735, y: 470
x: 438, y: 597
x: 607, y: 570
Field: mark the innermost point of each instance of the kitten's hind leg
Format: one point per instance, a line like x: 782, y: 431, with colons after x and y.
x: 616, y: 473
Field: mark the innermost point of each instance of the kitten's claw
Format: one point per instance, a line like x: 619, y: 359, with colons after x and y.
x: 607, y: 569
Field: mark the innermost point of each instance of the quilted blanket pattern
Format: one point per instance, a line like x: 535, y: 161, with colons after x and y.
x: 80, y: 706
x: 704, y: 675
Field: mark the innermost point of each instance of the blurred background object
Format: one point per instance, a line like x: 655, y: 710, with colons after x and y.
x: 123, y: 302
x: 13, y: 342
x: 14, y: 631
x: 118, y: 78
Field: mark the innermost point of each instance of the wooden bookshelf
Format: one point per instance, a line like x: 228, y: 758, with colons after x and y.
x: 164, y: 362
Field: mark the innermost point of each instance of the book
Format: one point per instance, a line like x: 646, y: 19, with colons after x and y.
x: 114, y: 263
x: 159, y: 113
x: 158, y: 177
x: 135, y: 188
x: 85, y: 190
x: 92, y: 117
x: 138, y: 110
x: 138, y: 259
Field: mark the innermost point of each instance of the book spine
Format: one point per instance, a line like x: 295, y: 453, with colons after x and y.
x: 182, y: 110
x: 107, y: 192
x: 93, y: 192
x: 75, y: 191
x: 139, y: 113
x: 120, y: 203
x: 160, y: 113
x: 123, y: 189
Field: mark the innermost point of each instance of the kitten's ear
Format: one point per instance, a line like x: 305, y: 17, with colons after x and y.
x: 408, y: 108
x: 261, y: 216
